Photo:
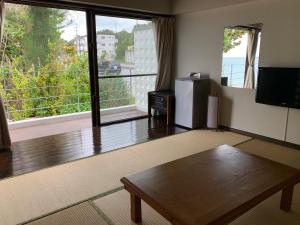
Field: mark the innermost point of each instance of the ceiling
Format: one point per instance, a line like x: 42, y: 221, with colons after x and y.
x: 187, y: 6
x: 165, y: 6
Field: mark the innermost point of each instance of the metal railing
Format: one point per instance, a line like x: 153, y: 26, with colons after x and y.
x: 127, y: 90
x: 236, y: 74
x: 36, y: 101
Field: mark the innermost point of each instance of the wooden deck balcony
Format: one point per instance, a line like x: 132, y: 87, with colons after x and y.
x: 36, y: 128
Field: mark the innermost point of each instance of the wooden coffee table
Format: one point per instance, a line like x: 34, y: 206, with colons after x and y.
x: 213, y: 187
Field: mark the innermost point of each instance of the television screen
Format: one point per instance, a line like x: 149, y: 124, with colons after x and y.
x: 279, y: 86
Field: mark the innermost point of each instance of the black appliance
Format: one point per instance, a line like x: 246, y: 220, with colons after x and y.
x: 279, y: 86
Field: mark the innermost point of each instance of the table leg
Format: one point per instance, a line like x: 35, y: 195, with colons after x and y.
x: 136, y: 210
x: 286, y: 198
x: 149, y: 108
x: 168, y: 111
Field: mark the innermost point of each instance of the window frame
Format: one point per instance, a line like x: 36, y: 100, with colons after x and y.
x: 96, y: 9
x: 257, y: 27
x: 91, y: 12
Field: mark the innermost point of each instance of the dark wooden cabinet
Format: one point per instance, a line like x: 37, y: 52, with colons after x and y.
x: 162, y: 102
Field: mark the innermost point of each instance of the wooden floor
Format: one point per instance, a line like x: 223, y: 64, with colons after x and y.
x: 30, y: 155
x: 53, y: 128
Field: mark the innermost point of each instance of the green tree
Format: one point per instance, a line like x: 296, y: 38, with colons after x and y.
x: 125, y: 39
x: 114, y: 93
x: 14, y: 28
x: 106, y: 32
x: 42, y: 28
x: 232, y: 38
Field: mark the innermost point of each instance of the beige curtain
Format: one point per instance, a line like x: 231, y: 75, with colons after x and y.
x: 250, y: 58
x: 5, y: 142
x: 164, y: 29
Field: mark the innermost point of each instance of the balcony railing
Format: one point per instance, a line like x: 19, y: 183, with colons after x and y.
x: 42, y: 100
x: 236, y: 74
x: 123, y: 90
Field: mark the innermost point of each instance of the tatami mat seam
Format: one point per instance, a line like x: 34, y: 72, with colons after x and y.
x: 107, y: 193
x: 98, y: 210
x: 244, y: 142
x: 75, y: 204
x: 101, y: 213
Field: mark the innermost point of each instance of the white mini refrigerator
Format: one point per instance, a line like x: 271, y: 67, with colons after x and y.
x: 191, y: 102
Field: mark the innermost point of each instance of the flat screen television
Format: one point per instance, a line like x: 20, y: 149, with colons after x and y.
x: 279, y: 86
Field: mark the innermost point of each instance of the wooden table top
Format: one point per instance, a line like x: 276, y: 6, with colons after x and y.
x: 210, y: 187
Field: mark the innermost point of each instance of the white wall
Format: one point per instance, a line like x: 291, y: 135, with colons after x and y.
x: 293, y: 128
x: 157, y: 6
x: 199, y: 48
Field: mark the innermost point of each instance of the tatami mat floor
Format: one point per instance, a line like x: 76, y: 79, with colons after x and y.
x: 117, y: 207
x: 112, y: 207
x: 37, y: 194
x: 82, y: 214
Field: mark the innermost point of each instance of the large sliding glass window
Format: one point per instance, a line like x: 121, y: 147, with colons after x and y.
x: 44, y: 73
x: 127, y: 66
x: 45, y: 80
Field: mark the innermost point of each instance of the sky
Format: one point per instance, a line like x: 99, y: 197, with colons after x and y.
x: 78, y: 26
x: 239, y: 51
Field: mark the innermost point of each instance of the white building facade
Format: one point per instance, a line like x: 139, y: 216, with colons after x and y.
x: 145, y: 62
x: 106, y: 46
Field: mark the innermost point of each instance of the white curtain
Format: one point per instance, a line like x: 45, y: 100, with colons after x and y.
x: 164, y: 28
x: 5, y: 142
x: 250, y: 58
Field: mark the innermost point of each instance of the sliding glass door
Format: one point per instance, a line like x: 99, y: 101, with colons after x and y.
x: 127, y: 66
x: 64, y: 70
x: 44, y: 73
